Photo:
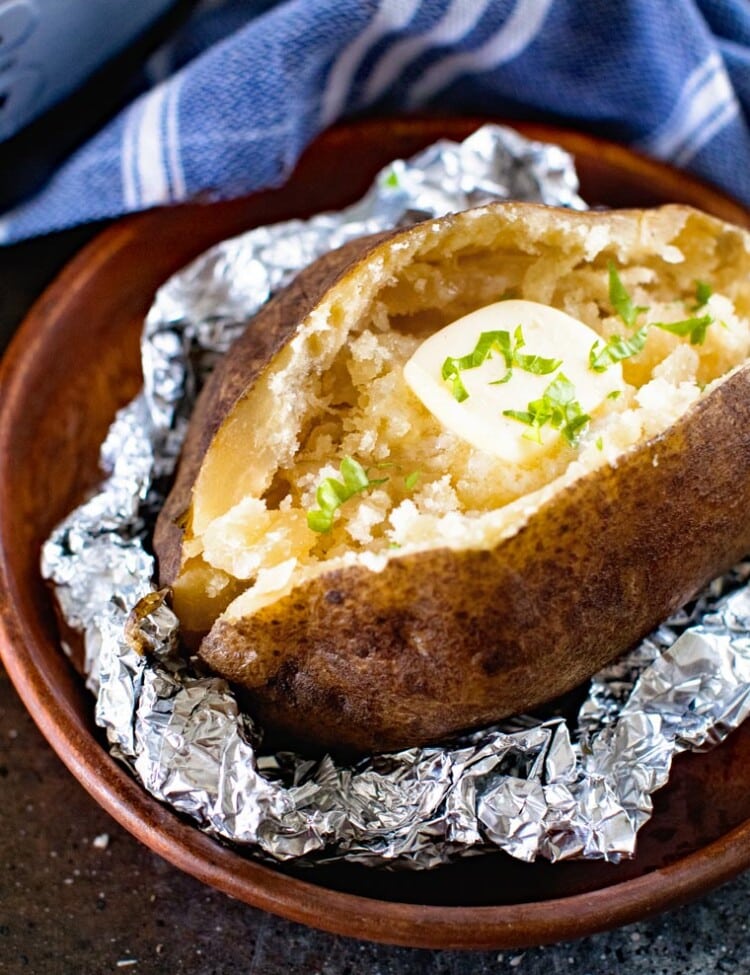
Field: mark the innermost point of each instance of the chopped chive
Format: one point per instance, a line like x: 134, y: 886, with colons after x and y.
x: 621, y: 300
x: 696, y: 328
x: 411, y: 480
x: 703, y: 292
x: 331, y: 494
x: 615, y: 349
x: 508, y: 347
x: 557, y: 407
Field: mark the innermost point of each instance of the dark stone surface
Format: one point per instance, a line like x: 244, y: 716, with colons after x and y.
x: 79, y: 896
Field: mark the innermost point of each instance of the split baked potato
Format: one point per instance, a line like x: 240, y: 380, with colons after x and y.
x: 370, y: 578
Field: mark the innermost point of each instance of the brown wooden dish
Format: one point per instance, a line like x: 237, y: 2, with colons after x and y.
x: 75, y: 361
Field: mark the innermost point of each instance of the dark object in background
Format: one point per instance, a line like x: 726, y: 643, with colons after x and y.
x: 63, y: 97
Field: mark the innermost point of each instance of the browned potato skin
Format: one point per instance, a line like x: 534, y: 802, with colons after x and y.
x: 440, y: 641
x: 443, y: 640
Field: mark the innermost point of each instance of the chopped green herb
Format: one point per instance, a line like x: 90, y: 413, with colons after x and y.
x: 694, y: 327
x: 355, y: 476
x: 319, y: 521
x: 621, y: 300
x: 391, y: 179
x: 508, y: 347
x: 536, y: 364
x: 487, y: 343
x: 575, y: 426
x: 599, y: 443
x: 557, y: 407
x: 615, y: 394
x: 411, y: 480
x: 450, y: 373
x: 331, y: 494
x: 703, y: 292
x: 619, y: 347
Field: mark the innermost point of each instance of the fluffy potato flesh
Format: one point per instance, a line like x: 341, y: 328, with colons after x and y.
x: 438, y: 513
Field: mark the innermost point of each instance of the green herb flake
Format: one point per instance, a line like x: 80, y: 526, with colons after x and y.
x: 696, y: 328
x: 319, y: 521
x: 355, y: 476
x: 536, y: 364
x: 557, y: 407
x: 615, y: 394
x: 391, y: 179
x: 619, y: 347
x: 487, y: 343
x: 331, y: 494
x: 411, y: 480
x: 621, y: 300
x: 451, y: 373
x: 599, y: 443
x: 508, y: 347
x: 703, y: 292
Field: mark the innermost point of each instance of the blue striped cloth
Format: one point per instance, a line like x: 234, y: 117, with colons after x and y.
x: 246, y: 85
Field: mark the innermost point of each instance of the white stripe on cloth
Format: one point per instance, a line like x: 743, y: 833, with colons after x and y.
x: 172, y: 136
x: 518, y: 31
x: 127, y: 162
x: 706, y: 91
x: 202, y: 139
x: 459, y: 20
x: 391, y: 15
x: 704, y: 135
x: 150, y: 161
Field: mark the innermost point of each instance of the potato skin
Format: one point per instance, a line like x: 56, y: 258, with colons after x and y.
x: 362, y: 661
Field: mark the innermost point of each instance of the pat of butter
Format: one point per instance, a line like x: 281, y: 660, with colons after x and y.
x: 478, y: 419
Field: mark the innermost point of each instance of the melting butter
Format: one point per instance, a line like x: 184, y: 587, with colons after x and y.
x: 548, y: 333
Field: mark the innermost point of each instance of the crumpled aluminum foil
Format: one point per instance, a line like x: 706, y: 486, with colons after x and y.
x: 532, y: 787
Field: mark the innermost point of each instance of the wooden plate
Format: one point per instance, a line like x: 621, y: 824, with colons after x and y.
x: 75, y: 361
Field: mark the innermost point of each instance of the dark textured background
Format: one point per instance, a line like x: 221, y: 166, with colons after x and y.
x: 70, y: 906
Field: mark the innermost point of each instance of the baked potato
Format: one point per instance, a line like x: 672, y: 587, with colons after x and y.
x: 370, y: 575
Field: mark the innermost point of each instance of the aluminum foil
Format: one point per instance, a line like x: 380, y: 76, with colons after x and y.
x: 531, y: 787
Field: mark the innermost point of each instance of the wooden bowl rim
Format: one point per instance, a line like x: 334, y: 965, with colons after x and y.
x: 255, y: 883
